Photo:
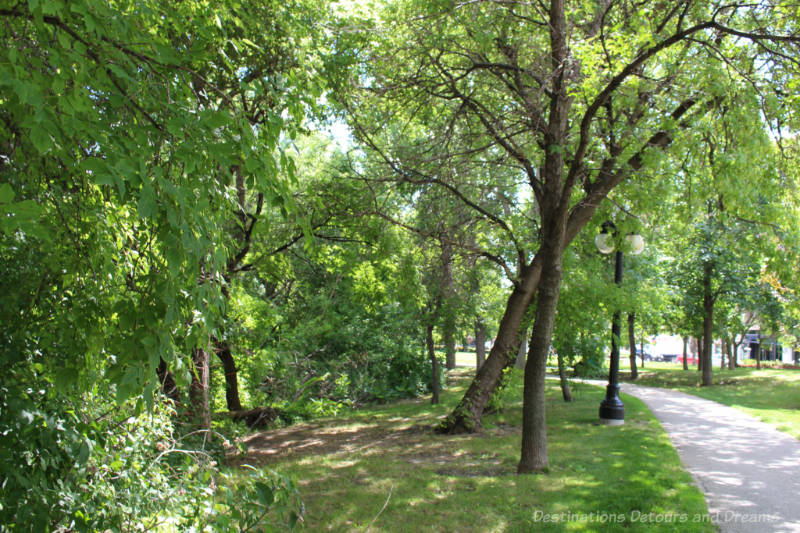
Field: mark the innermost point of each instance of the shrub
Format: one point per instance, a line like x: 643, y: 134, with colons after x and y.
x: 123, y: 469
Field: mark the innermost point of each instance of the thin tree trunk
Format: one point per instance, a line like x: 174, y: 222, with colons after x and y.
x: 708, y: 326
x: 725, y: 351
x: 632, y: 344
x: 480, y: 343
x: 733, y: 359
x: 223, y: 351
x: 434, y: 364
x: 199, y: 390
x: 685, y: 353
x: 758, y: 356
x: 566, y: 393
x: 449, y: 321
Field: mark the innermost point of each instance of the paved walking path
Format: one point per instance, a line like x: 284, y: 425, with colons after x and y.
x: 748, y: 470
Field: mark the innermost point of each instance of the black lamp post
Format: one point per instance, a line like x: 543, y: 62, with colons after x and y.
x: 612, y: 410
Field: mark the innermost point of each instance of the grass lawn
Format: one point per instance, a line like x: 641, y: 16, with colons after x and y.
x: 770, y: 394
x: 383, y: 469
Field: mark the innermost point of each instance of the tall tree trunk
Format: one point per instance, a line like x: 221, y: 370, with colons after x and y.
x: 480, y: 343
x: 758, y: 356
x: 199, y: 397
x: 632, y: 344
x: 223, y: 351
x: 534, y: 428
x: 449, y: 319
x: 733, y: 356
x: 708, y: 326
x: 168, y: 385
x: 434, y: 364
x: 685, y: 353
x: 642, y: 350
x: 566, y: 393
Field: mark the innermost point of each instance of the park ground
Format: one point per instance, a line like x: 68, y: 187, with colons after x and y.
x: 384, y: 469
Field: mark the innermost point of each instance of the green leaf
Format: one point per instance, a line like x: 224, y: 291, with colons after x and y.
x: 83, y: 454
x: 29, y: 94
x: 26, y: 211
x: 100, y: 170
x: 41, y: 140
x: 266, y: 496
x: 148, y: 203
x: 6, y: 193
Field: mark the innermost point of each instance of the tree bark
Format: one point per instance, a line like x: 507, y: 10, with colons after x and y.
x: 480, y: 343
x: 733, y: 356
x: 434, y: 364
x: 725, y: 351
x: 632, y: 344
x: 534, y: 427
x: 566, y: 393
x: 223, y: 351
x: 758, y: 356
x: 199, y: 398
x: 522, y: 350
x: 708, y: 326
x: 700, y: 347
x: 449, y: 344
x: 685, y: 353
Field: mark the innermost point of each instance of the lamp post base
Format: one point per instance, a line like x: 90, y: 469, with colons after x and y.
x: 612, y: 410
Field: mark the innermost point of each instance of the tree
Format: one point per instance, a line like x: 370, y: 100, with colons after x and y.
x: 122, y: 127
x: 558, y: 93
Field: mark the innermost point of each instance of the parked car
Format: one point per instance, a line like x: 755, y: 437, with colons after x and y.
x: 668, y: 357
x: 647, y: 355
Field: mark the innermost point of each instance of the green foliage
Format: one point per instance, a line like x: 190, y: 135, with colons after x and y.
x: 123, y: 126
x: 586, y: 303
x: 117, y: 468
x: 333, y: 320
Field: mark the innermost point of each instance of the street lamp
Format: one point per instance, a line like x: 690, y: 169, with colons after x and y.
x: 612, y: 410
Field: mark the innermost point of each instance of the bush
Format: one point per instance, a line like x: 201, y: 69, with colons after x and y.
x: 62, y: 471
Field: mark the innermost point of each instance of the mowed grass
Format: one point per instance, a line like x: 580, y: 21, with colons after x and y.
x: 384, y: 469
x: 770, y: 394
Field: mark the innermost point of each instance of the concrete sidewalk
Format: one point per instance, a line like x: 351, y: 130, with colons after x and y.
x: 748, y: 470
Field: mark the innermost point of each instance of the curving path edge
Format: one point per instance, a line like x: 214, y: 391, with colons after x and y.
x: 748, y: 470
